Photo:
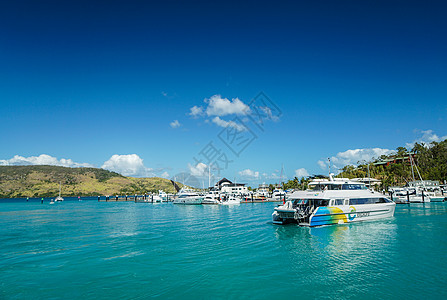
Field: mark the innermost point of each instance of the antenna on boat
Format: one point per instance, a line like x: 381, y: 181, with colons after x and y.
x: 330, y: 174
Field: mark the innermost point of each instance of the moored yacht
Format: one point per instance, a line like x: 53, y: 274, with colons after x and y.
x: 231, y: 200
x: 188, y: 197
x: 334, y: 202
x: 278, y: 194
x: 213, y: 197
x: 59, y: 198
x: 163, y: 196
x: 160, y: 197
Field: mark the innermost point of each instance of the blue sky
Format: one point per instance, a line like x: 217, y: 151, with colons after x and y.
x: 100, y: 82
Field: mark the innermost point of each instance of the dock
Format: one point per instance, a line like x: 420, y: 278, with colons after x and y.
x: 136, y: 199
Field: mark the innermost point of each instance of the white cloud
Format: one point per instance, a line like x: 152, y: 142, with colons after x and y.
x: 272, y: 176
x: 222, y: 123
x: 42, y: 159
x: 127, y: 165
x: 249, y: 174
x: 268, y: 113
x: 322, y: 164
x: 175, y: 124
x: 301, y: 173
x: 196, y: 111
x: 352, y: 157
x: 218, y: 106
x: 198, y: 170
x: 427, y: 137
x: 165, y: 174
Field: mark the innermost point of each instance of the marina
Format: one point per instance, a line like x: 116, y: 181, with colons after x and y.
x: 171, y: 251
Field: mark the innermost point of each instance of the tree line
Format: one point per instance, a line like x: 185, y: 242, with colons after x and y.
x: 429, y: 161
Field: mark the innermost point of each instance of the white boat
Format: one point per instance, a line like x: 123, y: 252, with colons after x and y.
x: 163, y: 196
x: 156, y: 198
x: 334, y: 202
x: 231, y: 200
x: 59, y: 198
x: 278, y: 195
x: 188, y: 197
x: 213, y: 197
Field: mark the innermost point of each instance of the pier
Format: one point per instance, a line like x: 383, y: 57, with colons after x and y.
x: 135, y: 198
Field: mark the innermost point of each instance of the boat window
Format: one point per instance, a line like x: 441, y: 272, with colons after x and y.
x: 368, y: 201
x: 338, y: 201
x: 300, y: 201
x: 317, y: 187
x: 320, y: 202
x: 385, y: 200
x: 350, y: 186
x: 334, y: 187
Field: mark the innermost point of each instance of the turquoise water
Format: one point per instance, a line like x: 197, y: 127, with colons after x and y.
x: 99, y: 250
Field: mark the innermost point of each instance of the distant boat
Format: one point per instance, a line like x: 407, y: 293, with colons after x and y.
x: 212, y: 197
x: 231, y: 200
x: 59, y: 198
x: 278, y: 195
x: 188, y: 196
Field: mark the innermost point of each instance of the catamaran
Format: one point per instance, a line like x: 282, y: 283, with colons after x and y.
x: 334, y: 202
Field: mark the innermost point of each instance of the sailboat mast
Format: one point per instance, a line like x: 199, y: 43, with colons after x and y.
x: 412, y: 170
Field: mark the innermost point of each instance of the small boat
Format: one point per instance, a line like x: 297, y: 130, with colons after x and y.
x: 278, y: 195
x: 334, y: 202
x: 156, y: 199
x: 59, y: 198
x: 213, y: 197
x: 163, y: 196
x: 231, y: 200
x: 188, y: 197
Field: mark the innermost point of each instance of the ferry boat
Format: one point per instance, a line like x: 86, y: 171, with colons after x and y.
x: 188, y: 197
x: 334, y: 202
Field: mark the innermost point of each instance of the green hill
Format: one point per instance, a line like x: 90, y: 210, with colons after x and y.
x: 43, y: 181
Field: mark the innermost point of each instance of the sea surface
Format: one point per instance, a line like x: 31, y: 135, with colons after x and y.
x: 125, y: 250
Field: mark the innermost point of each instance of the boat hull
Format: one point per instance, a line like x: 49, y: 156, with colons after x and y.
x: 189, y: 201
x: 353, y: 213
x: 336, y: 214
x: 437, y: 199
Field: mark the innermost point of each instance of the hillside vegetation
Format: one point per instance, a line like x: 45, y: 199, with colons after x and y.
x: 395, y: 169
x: 43, y: 181
x: 429, y: 160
